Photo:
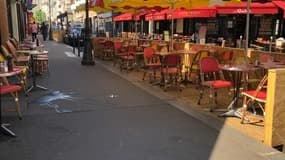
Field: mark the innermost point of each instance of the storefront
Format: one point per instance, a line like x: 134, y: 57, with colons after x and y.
x: 232, y: 20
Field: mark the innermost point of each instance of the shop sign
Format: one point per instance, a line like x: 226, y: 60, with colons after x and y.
x: 241, y: 11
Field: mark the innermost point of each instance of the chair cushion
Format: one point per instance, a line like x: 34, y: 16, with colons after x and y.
x: 9, y: 88
x: 170, y: 70
x: 217, y: 84
x: 153, y: 64
x: 23, y: 59
x: 41, y: 59
x: 128, y: 57
x: 41, y: 56
x: 261, y: 95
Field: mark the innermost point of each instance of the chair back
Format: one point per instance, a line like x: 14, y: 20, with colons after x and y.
x: 265, y: 58
x: 11, y: 48
x: 199, y: 55
x: 171, y: 61
x: 109, y: 44
x: 118, y: 45
x: 149, y: 56
x: 14, y: 42
x: 148, y: 52
x: 5, y: 51
x: 132, y: 49
x: 261, y: 85
x: 208, y: 64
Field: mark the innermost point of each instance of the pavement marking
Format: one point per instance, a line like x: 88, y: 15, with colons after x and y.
x: 69, y: 54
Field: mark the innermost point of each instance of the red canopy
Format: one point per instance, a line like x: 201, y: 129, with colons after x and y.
x: 124, y: 17
x: 129, y: 16
x: 157, y: 15
x: 255, y: 8
x: 280, y: 4
x: 201, y: 12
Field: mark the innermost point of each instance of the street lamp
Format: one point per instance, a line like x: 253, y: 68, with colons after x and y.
x: 50, y: 25
x: 87, y: 53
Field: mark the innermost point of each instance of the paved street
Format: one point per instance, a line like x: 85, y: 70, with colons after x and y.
x: 97, y: 114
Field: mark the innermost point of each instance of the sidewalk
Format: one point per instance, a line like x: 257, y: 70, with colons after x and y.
x: 103, y: 114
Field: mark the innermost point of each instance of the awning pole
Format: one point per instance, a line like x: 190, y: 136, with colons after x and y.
x: 172, y: 25
x: 247, y: 30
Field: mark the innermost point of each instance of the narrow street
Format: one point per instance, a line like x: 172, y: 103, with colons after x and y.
x: 97, y: 114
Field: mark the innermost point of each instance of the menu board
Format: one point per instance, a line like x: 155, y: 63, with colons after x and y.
x: 265, y: 27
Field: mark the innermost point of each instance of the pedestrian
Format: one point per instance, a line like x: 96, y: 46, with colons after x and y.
x: 44, y: 31
x: 35, y: 30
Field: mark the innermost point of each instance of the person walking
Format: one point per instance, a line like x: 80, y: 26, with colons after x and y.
x: 35, y: 30
x: 44, y: 31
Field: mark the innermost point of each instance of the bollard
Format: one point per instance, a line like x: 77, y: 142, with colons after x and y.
x: 78, y: 46
x: 73, y: 43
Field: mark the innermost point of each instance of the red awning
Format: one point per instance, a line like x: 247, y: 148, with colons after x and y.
x: 255, y: 8
x: 124, y: 17
x: 201, y: 12
x: 129, y: 16
x: 157, y: 15
x: 138, y: 15
x: 280, y: 4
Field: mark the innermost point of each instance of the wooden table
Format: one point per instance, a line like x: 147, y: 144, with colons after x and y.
x: 3, y: 128
x: 187, y: 63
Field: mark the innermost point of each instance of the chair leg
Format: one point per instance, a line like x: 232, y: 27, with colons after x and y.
x: 17, y: 105
x: 144, y: 74
x: 211, y: 97
x: 200, y: 95
x: 244, y: 109
x: 216, y: 95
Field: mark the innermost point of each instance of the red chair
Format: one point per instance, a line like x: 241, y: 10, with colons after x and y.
x: 128, y: 59
x: 108, y: 50
x: 211, y: 77
x: 257, y: 96
x: 194, y: 67
x: 151, y: 63
x: 118, y: 51
x: 171, y: 71
x: 13, y: 90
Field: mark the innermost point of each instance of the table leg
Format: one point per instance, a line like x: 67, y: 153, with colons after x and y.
x: 233, y: 111
x: 34, y: 85
x: 3, y: 128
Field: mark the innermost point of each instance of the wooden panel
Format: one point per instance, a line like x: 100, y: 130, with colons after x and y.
x: 275, y: 109
x: 4, y: 22
x: 58, y: 35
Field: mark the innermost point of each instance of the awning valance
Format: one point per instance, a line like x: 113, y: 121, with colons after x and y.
x: 201, y: 12
x: 255, y: 8
x: 129, y: 16
x: 157, y: 15
x: 124, y: 17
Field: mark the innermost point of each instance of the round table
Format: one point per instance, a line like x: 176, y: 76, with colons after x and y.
x: 239, y: 71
